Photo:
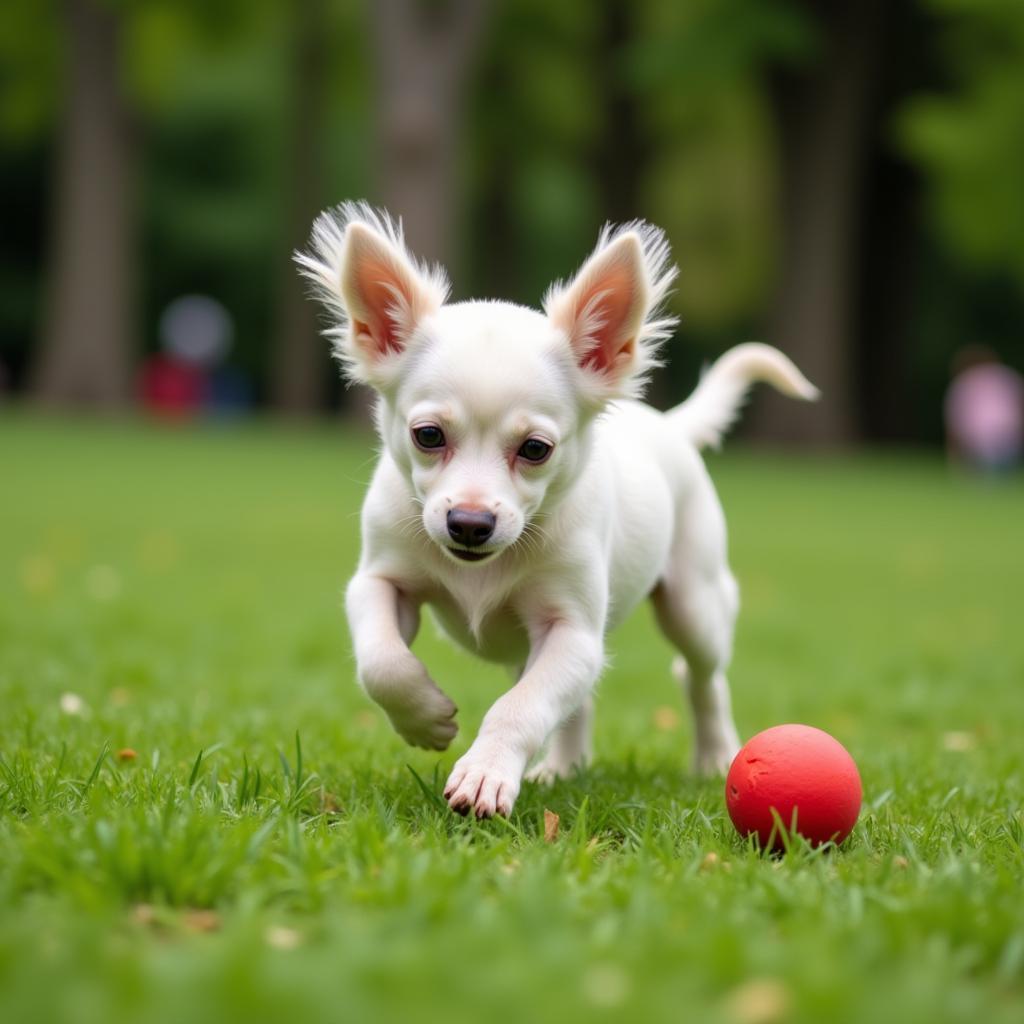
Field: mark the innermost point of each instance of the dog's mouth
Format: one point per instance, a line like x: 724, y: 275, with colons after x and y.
x: 465, y: 555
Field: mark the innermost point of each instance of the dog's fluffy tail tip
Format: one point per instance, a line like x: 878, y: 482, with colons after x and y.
x: 709, y: 412
x: 755, y: 361
x: 797, y: 385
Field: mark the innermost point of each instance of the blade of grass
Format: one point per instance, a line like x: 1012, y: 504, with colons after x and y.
x: 94, y: 774
x: 431, y: 796
x: 195, y: 770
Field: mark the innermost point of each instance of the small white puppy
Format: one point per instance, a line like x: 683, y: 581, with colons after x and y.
x: 527, y: 497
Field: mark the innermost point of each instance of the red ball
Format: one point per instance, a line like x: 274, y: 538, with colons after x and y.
x: 794, y: 768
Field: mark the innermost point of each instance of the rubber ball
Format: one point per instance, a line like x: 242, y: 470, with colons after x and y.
x: 801, y: 773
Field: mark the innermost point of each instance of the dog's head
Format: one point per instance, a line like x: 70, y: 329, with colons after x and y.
x: 486, y: 407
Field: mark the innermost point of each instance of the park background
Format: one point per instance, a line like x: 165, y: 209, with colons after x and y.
x: 840, y: 179
x: 201, y: 816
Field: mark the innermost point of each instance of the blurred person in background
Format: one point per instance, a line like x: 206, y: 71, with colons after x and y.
x: 984, y: 412
x: 189, y: 376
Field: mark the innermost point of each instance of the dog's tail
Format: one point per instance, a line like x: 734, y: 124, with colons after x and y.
x: 707, y: 414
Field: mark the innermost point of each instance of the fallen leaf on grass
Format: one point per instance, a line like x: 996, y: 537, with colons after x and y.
x: 279, y: 937
x: 199, y: 920
x: 329, y: 803
x: 666, y: 719
x: 166, y: 920
x: 550, y: 826
x: 759, y: 1001
x: 144, y: 914
x: 958, y: 742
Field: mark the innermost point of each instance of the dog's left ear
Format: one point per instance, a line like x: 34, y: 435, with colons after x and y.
x: 609, y: 311
x: 378, y: 292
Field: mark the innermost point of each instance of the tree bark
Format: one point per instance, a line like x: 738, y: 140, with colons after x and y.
x: 422, y: 55
x: 301, y: 357
x: 822, y: 131
x: 87, y: 354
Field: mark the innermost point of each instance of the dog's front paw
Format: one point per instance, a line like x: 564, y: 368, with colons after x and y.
x: 428, y: 721
x: 421, y: 713
x: 485, y: 781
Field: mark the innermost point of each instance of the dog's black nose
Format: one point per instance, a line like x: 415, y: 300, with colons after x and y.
x: 469, y: 527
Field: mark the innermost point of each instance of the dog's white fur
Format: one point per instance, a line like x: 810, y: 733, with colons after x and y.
x: 622, y: 509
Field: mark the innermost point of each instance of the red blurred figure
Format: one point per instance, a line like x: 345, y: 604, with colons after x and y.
x: 172, y: 388
x: 984, y: 412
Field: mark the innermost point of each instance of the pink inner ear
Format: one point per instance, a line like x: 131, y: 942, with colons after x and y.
x: 605, y: 312
x: 379, y: 289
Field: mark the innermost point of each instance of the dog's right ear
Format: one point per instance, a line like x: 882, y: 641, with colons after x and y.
x: 610, y: 312
x: 363, y: 273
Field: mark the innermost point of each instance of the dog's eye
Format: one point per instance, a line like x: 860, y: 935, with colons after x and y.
x: 535, y: 450
x: 428, y: 437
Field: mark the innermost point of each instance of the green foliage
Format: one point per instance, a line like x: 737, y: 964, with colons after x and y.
x: 706, y: 44
x: 30, y: 76
x: 167, y: 42
x: 970, y: 138
x: 712, y: 185
x: 693, y: 73
x: 546, y: 155
x: 535, y: 120
x: 712, y: 181
x: 274, y: 852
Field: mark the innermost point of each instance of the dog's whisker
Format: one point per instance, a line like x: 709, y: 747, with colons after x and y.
x: 410, y: 526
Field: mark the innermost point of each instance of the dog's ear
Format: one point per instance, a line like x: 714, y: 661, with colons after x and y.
x: 609, y: 311
x: 363, y: 273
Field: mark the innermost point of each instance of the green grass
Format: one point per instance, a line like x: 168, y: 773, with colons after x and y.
x: 186, y: 586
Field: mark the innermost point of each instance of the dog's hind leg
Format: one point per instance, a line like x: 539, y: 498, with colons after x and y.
x: 717, y: 741
x: 569, y: 747
x: 696, y: 605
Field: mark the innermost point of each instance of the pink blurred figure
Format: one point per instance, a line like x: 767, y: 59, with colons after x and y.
x: 984, y: 411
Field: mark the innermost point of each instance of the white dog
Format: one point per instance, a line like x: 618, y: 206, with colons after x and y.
x: 527, y: 497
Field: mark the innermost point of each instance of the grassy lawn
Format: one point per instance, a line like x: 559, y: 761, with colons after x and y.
x: 185, y: 587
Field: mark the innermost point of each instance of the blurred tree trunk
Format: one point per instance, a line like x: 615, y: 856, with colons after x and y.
x: 889, y: 281
x: 87, y: 352
x: 624, y: 153
x: 423, y: 50
x: 891, y: 257
x: 301, y: 357
x: 822, y: 119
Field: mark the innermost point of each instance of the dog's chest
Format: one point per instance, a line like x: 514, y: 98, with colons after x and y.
x: 494, y: 633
